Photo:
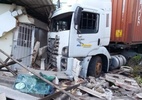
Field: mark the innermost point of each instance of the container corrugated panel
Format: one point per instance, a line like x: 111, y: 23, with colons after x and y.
x: 126, y: 21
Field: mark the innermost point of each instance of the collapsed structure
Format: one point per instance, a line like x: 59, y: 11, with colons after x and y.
x: 19, y: 32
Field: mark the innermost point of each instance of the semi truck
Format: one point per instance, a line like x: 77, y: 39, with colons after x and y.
x: 95, y: 33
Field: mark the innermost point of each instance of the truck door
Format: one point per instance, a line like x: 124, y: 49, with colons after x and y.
x: 87, y: 37
x: 23, y: 43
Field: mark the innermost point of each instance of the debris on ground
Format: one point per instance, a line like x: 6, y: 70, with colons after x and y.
x: 2, y: 96
x: 108, y: 87
x: 16, y: 95
x: 31, y: 84
x: 124, y: 83
x: 135, y: 60
x: 139, y: 95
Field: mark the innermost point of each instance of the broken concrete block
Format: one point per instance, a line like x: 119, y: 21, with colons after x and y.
x: 56, y: 80
x: 76, y: 69
x: 78, y: 92
x: 113, y: 87
x: 90, y: 85
x: 139, y: 95
x: 105, y: 85
x: 109, y: 94
x: 100, y: 89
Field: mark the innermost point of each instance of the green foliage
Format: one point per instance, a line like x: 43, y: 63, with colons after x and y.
x: 139, y: 80
x: 135, y: 60
x: 31, y: 84
x: 137, y: 74
x: 137, y: 57
x: 137, y: 71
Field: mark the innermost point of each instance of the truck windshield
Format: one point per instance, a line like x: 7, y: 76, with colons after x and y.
x: 61, y: 22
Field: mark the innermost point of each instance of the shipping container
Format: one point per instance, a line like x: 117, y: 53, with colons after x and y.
x: 126, y: 21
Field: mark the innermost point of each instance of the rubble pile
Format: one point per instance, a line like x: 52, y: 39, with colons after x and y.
x: 115, y: 85
x: 123, y: 83
x: 108, y: 88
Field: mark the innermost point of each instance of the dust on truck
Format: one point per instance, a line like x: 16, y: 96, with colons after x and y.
x: 90, y: 31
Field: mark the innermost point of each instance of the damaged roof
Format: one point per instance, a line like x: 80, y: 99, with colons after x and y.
x: 39, y: 9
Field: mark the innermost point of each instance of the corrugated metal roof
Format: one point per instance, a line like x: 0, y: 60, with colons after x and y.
x: 39, y: 9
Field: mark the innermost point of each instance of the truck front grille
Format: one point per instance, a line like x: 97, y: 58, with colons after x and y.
x: 53, y: 46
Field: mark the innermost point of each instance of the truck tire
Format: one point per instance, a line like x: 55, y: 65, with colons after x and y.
x: 95, y: 67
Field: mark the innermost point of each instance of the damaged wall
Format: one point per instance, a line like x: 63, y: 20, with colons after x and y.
x: 9, y: 37
x: 4, y: 8
x: 6, y: 40
x: 7, y: 19
x: 6, y: 44
x: 7, y: 28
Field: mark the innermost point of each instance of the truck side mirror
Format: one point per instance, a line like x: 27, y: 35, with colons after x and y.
x: 77, y: 15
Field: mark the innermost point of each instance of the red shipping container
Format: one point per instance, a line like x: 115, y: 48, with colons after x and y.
x: 126, y: 21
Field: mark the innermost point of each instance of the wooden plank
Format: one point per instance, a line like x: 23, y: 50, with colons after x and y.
x: 2, y: 62
x: 92, y: 92
x: 9, y: 63
x: 35, y: 51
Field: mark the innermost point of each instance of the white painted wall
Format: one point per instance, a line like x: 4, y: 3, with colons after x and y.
x: 30, y: 20
x: 8, y: 22
x: 6, y: 44
x: 25, y: 19
x: 4, y: 8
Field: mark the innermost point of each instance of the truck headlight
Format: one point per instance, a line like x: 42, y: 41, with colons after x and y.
x: 64, y: 64
x: 65, y: 51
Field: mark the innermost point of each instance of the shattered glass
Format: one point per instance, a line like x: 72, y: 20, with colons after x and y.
x: 31, y: 84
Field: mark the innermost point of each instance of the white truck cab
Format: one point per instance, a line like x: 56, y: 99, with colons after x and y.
x: 81, y: 30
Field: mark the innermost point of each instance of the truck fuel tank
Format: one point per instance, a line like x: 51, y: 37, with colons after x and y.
x: 117, y: 61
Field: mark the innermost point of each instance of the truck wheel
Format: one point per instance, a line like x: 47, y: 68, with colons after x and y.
x: 95, y: 67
